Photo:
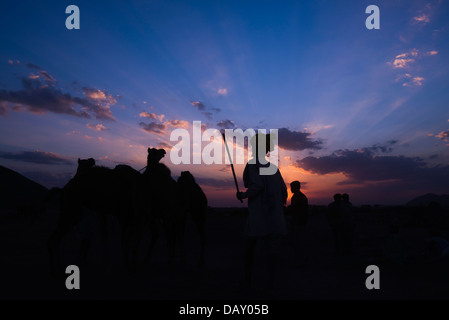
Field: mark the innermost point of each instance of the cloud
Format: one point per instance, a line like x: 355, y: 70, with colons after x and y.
x: 222, y: 91
x: 99, y: 96
x: 32, y: 66
x: 200, y: 106
x: 3, y: 109
x: 408, y: 80
x: 41, y: 73
x: 98, y: 127
x: 153, y: 127
x: 364, y: 166
x: 208, y: 114
x: 381, y: 148
x: 152, y: 116
x: 159, y: 128
x: 13, y: 62
x: 37, y: 97
x: 40, y: 157
x: 443, y: 135
x: 402, y: 63
x: 297, y: 141
x: 177, y: 123
x: 47, y: 77
x: 418, y: 81
x: 216, y: 183
x: 226, y: 124
x: 405, y: 61
x: 424, y: 15
x: 225, y: 169
x: 164, y: 145
x: 422, y: 18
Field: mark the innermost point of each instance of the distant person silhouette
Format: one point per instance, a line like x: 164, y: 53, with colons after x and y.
x: 334, y: 218
x: 347, y: 224
x: 436, y: 247
x: 298, y: 212
x: 266, y: 196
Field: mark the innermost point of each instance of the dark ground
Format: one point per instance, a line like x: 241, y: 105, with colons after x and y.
x: 322, y: 274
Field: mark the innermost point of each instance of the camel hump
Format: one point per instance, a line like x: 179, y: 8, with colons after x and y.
x: 186, y: 177
x: 189, y: 188
x: 127, y: 172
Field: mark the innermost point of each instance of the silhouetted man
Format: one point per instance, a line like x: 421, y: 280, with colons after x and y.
x: 266, y: 195
x: 299, y: 206
x: 298, y: 211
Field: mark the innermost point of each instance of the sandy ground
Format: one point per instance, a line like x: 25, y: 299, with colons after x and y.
x: 319, y: 274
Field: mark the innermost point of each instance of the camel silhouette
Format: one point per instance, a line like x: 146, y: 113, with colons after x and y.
x: 157, y: 192
x: 93, y: 189
x: 139, y: 201
x: 193, y: 204
x: 160, y: 200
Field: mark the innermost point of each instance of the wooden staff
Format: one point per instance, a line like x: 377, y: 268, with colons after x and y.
x: 232, y: 166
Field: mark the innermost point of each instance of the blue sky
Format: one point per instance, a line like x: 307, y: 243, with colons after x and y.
x: 350, y: 101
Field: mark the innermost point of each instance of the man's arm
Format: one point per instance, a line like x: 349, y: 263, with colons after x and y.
x: 255, y: 183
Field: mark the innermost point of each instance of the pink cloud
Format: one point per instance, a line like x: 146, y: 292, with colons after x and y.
x: 418, y: 81
x: 98, y: 127
x: 3, y: 109
x: 164, y: 145
x: 222, y: 91
x: 99, y: 96
x: 443, y: 135
x: 422, y: 18
x: 198, y: 105
x: 402, y: 63
x: 177, y: 123
x: 153, y: 116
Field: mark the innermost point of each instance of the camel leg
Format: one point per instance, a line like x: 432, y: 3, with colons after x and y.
x: 154, y: 238
x: 169, y: 234
x: 67, y: 220
x: 84, y: 251
x: 200, y: 225
x: 199, y: 218
x: 180, y: 235
x: 53, y: 246
x: 129, y: 245
x: 104, y: 238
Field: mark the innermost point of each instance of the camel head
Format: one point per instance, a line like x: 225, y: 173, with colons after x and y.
x: 154, y: 156
x: 84, y: 165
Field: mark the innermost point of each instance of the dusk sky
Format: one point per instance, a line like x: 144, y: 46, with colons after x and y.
x: 360, y: 111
